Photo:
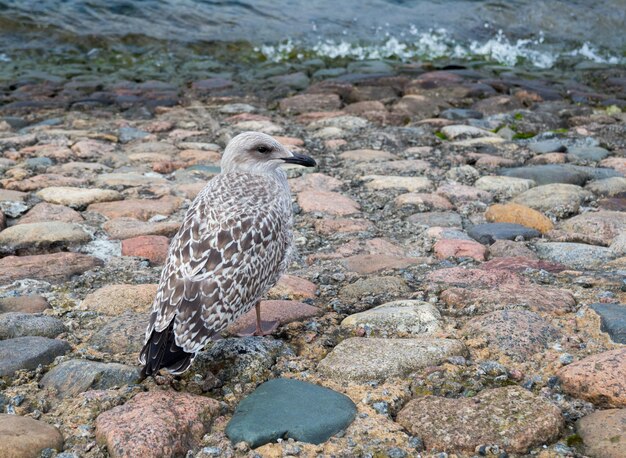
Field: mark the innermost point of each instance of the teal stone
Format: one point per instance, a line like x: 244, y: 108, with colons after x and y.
x: 284, y: 408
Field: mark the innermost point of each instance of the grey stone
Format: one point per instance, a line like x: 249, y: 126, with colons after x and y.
x: 613, y: 320
x: 547, y: 146
x: 241, y: 360
x: 436, y: 219
x: 587, y: 153
x: 361, y: 360
x: 29, y: 352
x: 128, y: 134
x: 488, y: 233
x: 397, y: 318
x: 75, y: 376
x: 15, y: 324
x: 290, y: 409
x: 124, y: 334
x: 455, y: 114
x: 608, y: 186
x: 556, y: 199
x: 575, y: 255
x: 548, y: 174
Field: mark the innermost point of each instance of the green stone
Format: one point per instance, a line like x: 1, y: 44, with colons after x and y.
x: 284, y: 408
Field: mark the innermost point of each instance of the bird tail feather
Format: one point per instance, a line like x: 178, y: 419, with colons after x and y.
x: 161, y: 351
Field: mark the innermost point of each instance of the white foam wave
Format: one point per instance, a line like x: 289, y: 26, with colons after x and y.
x: 438, y: 43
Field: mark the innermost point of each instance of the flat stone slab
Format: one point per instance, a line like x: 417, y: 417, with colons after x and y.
x: 488, y: 233
x: 156, y: 424
x: 512, y: 418
x: 613, y: 319
x: 29, y: 352
x: 361, y: 360
x: 290, y: 409
x: 397, y: 318
x: 25, y: 437
x: 15, y: 324
x: 75, y: 376
x: 603, y: 433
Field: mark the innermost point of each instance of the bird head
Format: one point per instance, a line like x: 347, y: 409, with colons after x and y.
x: 256, y: 152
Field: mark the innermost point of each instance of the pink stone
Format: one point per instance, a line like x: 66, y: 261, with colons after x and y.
x: 156, y: 424
x: 282, y: 311
x: 460, y: 193
x: 452, y: 248
x: 47, y: 267
x: 311, y: 181
x: 45, y: 180
x: 331, y: 203
x: 304, y: 103
x: 293, y: 287
x: 423, y: 201
x: 44, y: 211
x: 475, y: 278
x: 617, y: 163
x: 142, y: 209
x: 152, y: 247
x: 519, y: 264
x: 548, y: 158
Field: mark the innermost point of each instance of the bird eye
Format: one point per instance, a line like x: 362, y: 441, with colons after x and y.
x: 263, y: 149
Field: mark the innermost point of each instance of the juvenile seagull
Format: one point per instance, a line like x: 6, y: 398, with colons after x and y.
x: 232, y: 247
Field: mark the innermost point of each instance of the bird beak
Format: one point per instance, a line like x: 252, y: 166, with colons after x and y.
x: 300, y: 159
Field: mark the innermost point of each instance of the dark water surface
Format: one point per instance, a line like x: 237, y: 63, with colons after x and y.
x: 531, y: 33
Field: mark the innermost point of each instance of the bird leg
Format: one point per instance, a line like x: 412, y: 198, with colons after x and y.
x: 262, y: 328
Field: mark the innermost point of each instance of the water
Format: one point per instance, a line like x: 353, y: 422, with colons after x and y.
x: 531, y: 33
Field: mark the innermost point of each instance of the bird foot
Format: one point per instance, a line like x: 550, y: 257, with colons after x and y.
x: 266, y: 328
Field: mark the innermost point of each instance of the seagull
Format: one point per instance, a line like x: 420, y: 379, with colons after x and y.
x: 232, y: 247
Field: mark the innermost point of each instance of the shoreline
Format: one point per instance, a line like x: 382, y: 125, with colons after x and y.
x: 416, y: 164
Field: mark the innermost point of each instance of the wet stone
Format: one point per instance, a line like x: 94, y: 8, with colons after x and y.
x: 396, y: 319
x: 518, y: 334
x: 117, y: 299
x: 490, y: 232
x: 48, y: 267
x: 603, y: 433
x: 15, y: 324
x: 156, y: 424
x: 23, y: 304
x: 599, y: 379
x: 512, y: 418
x: 613, y: 320
x: 575, y: 255
x: 25, y: 437
x: 361, y: 360
x: 28, y: 353
x: 76, y: 376
x: 290, y: 409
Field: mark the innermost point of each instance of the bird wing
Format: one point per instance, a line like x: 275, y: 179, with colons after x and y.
x: 222, y: 260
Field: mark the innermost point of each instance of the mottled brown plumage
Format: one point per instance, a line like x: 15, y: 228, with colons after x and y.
x: 232, y: 247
